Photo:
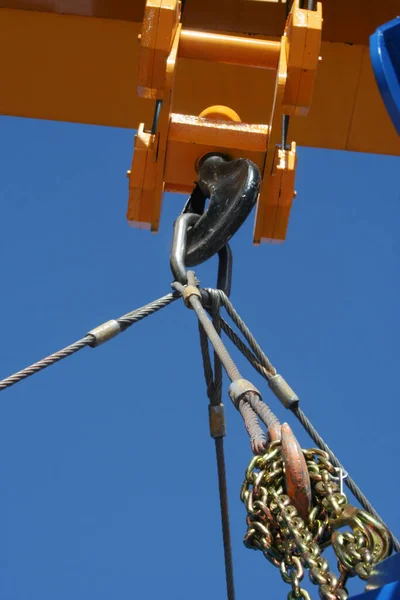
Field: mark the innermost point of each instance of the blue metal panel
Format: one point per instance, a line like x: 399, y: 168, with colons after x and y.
x: 384, y: 47
x: 387, y: 571
x: 384, y: 582
x: 390, y: 591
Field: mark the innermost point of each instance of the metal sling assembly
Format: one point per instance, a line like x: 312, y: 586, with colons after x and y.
x: 167, y: 155
x: 293, y: 497
x: 294, y: 500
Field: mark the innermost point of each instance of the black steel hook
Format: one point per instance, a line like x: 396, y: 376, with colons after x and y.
x: 232, y: 187
x: 178, y: 254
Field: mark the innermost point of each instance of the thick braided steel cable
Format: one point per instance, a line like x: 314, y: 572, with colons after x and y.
x: 303, y: 419
x: 216, y: 317
x: 262, y: 410
x: 207, y: 368
x: 224, y: 506
x: 125, y: 321
x: 241, y: 325
x: 45, y: 362
x: 145, y: 311
x: 247, y: 353
x: 214, y: 393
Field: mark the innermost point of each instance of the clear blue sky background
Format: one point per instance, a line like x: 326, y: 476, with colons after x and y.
x: 107, y: 471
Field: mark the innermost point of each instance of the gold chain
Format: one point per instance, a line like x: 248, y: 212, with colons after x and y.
x: 274, y: 527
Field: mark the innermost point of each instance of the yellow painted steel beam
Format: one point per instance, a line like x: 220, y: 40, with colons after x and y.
x: 83, y: 69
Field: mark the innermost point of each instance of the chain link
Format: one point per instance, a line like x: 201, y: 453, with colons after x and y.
x: 275, y: 528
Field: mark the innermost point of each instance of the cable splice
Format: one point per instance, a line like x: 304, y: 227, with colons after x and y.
x: 94, y: 338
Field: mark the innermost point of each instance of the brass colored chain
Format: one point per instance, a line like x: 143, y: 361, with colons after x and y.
x: 274, y: 527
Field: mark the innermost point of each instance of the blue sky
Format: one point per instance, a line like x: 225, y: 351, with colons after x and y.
x: 107, y: 471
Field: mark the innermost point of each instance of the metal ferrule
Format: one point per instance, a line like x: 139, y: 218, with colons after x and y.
x: 283, y: 391
x: 239, y: 388
x: 188, y: 292
x: 216, y: 414
x: 104, y: 332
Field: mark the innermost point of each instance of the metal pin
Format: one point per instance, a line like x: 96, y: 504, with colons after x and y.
x: 342, y: 476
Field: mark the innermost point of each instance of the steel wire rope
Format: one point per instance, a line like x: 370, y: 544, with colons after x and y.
x: 214, y: 393
x: 45, y: 362
x: 123, y: 323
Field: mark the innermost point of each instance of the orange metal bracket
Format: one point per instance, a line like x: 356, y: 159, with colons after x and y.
x: 165, y: 159
x: 303, y: 35
x: 160, y: 22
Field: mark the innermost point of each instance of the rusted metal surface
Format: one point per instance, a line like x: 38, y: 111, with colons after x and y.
x: 216, y: 415
x: 297, y: 479
x: 239, y: 388
x: 274, y: 432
